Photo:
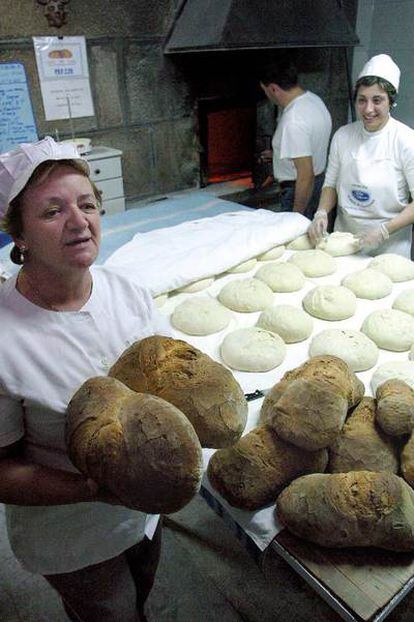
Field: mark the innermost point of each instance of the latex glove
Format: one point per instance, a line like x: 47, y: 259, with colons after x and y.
x: 318, y: 227
x: 371, y: 240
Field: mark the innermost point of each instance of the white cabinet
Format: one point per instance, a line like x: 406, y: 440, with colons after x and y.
x: 106, y: 172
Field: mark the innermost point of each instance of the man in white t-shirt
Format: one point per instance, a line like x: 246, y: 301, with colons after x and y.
x: 300, y: 142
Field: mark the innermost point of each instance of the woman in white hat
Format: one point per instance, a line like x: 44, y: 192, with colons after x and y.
x: 62, y: 322
x: 370, y: 173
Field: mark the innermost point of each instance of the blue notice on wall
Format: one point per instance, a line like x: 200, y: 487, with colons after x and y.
x: 17, y: 122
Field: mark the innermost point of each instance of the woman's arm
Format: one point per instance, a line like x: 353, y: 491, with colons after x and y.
x: 27, y: 483
x: 403, y: 219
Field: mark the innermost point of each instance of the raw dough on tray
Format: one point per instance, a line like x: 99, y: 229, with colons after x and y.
x: 405, y: 301
x: 330, y: 302
x: 281, y: 276
x: 272, y: 253
x: 390, y: 329
x: 399, y: 370
x: 314, y: 262
x: 397, y: 267
x: 302, y: 243
x: 246, y: 295
x: 369, y: 284
x: 291, y: 323
x: 252, y: 349
x: 196, y: 286
x: 339, y: 243
x: 200, y: 316
x: 352, y: 346
x: 244, y: 266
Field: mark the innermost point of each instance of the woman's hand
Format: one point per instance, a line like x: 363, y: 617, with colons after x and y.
x: 318, y: 227
x: 371, y: 240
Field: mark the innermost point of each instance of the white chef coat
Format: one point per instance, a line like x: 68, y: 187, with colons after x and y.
x: 44, y: 358
x: 303, y: 129
x: 373, y: 174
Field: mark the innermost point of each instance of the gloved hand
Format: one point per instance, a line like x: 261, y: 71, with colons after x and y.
x: 318, y: 227
x: 371, y: 240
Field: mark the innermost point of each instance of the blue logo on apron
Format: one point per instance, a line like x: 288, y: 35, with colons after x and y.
x: 360, y: 195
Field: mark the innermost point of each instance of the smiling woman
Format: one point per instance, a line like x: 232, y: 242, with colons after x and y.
x: 370, y: 174
x: 64, y: 321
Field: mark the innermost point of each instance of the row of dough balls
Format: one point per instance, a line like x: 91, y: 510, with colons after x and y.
x: 337, y: 244
x: 373, y: 282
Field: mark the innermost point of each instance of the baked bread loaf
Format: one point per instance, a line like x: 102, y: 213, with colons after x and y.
x: 309, y: 414
x: 137, y: 446
x: 331, y: 369
x: 407, y: 461
x: 395, y: 407
x: 361, y: 445
x: 204, y: 390
x: 308, y: 407
x: 360, y: 508
x: 251, y: 474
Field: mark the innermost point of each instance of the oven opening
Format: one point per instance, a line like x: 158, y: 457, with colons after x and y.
x: 227, y: 129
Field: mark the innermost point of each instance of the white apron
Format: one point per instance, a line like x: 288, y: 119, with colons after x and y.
x: 368, y: 196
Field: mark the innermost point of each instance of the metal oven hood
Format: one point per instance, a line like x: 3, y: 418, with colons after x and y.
x: 226, y: 25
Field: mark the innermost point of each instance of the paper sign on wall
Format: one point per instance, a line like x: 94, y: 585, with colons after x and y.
x: 62, y: 65
x: 17, y: 122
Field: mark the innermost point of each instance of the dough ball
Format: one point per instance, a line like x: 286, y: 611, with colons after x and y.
x: 390, y: 329
x: 369, y: 284
x: 339, y: 243
x: 196, y: 286
x: 246, y: 295
x: 200, y: 316
x: 353, y: 347
x: 291, y: 323
x: 399, y: 370
x: 252, y: 349
x: 245, y: 266
x: 281, y: 276
x: 397, y: 267
x: 330, y: 302
x: 160, y: 300
x: 405, y: 301
x: 273, y: 253
x: 302, y: 243
x: 314, y: 262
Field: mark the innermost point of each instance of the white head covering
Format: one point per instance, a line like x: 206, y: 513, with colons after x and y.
x: 17, y: 166
x: 382, y: 66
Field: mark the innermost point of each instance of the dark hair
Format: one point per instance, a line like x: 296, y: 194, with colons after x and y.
x: 284, y: 76
x: 382, y: 83
x: 12, y: 223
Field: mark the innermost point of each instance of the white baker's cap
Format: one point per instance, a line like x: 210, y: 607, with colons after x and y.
x: 17, y: 166
x: 382, y: 66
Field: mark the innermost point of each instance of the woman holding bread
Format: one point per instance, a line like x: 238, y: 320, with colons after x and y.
x: 370, y: 173
x: 64, y: 321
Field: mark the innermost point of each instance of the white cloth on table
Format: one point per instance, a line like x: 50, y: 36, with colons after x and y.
x: 166, y: 259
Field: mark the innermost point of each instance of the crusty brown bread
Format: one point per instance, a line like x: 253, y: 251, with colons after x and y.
x: 309, y: 414
x: 204, y: 390
x: 395, y: 407
x: 137, y: 446
x: 407, y: 461
x: 361, y: 445
x: 251, y: 473
x: 330, y: 369
x: 360, y: 508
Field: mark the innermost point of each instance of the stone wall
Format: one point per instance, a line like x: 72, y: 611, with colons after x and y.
x: 144, y: 102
